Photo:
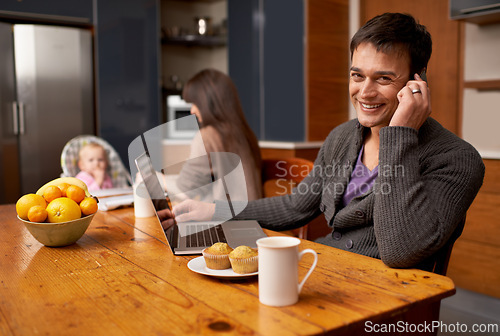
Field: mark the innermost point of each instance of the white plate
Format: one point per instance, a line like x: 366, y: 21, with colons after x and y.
x: 198, y: 265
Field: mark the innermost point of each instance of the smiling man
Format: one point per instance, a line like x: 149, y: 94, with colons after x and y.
x: 409, y: 182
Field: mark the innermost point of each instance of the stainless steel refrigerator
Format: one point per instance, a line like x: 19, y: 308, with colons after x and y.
x: 46, y: 98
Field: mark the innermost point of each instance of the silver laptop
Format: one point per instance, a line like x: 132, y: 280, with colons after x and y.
x: 193, y: 237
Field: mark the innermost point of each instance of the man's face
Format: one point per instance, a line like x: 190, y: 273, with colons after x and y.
x: 375, y: 80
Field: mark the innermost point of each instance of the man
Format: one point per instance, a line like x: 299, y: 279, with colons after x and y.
x: 392, y: 184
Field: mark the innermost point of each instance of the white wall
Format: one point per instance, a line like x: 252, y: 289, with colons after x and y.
x: 481, y: 113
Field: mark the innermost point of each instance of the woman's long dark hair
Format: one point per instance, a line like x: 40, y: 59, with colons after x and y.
x: 216, y: 97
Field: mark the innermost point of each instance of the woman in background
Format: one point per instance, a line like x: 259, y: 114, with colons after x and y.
x: 223, y: 128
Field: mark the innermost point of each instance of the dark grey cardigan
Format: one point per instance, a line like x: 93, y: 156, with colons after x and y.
x: 427, y: 180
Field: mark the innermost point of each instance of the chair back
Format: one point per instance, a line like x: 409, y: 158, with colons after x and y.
x: 280, y: 176
x: 442, y: 257
x: 120, y: 176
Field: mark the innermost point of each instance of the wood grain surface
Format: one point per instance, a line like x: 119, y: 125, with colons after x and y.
x: 120, y: 278
x: 327, y: 66
x: 475, y: 260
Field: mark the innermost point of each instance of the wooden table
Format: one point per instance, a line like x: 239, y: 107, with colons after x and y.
x: 120, y: 278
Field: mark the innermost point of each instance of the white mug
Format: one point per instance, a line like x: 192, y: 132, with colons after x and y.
x: 278, y: 270
x: 143, y: 207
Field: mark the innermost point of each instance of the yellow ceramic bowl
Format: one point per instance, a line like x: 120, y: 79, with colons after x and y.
x: 58, y: 234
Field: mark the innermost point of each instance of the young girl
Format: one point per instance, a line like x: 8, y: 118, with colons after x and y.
x: 93, y: 163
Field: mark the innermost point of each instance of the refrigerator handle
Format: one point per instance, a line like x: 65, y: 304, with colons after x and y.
x: 21, y: 119
x: 15, y: 118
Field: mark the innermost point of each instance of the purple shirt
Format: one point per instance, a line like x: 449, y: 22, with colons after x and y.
x: 362, y: 180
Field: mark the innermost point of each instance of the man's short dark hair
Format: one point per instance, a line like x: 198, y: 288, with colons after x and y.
x: 400, y: 33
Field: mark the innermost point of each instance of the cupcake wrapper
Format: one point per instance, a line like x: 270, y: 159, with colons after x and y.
x: 216, y: 261
x: 245, y: 265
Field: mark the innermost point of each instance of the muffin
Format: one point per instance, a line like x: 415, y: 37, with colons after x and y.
x: 244, y: 260
x: 216, y: 256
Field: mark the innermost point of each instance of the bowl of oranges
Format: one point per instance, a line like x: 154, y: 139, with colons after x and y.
x: 59, y: 213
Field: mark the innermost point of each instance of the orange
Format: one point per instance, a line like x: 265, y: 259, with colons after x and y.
x: 37, y: 213
x: 63, y: 186
x: 24, y: 204
x: 75, y: 193
x: 51, y: 193
x: 88, y: 206
x: 63, y: 209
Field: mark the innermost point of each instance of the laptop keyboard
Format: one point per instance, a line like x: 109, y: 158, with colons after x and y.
x: 204, y: 235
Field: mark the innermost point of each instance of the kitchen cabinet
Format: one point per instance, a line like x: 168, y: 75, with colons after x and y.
x: 481, y: 87
x: 60, y: 11
x: 480, y: 80
x: 475, y: 11
x: 195, y: 41
x: 266, y: 62
x: 126, y: 90
x: 184, y: 49
x: 481, y: 30
x: 290, y: 66
x: 290, y: 72
x: 127, y: 45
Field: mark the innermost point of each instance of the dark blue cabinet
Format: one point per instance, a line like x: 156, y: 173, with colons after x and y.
x: 126, y: 55
x: 128, y: 43
x: 266, y: 62
x: 77, y: 11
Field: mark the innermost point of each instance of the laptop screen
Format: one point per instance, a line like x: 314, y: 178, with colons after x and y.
x: 160, y: 199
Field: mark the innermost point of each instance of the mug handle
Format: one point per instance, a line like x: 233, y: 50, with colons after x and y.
x: 301, y: 254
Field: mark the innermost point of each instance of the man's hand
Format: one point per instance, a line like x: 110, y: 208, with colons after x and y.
x: 190, y: 210
x: 414, y: 106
